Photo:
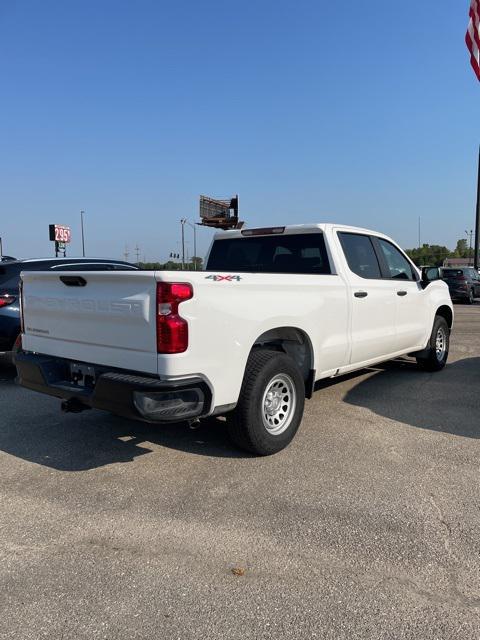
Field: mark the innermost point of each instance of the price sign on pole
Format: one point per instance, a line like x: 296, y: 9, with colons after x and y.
x: 61, y: 235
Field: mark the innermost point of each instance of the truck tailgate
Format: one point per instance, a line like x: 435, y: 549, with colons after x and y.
x: 109, y: 320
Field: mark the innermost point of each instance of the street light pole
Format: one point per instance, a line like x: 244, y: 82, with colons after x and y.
x: 195, y: 246
x: 194, y: 241
x: 83, y: 237
x: 182, y: 222
x: 469, y: 235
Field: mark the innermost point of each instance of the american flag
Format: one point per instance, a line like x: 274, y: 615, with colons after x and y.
x: 472, y: 37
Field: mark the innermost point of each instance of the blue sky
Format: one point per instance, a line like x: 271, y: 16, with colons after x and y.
x: 355, y: 112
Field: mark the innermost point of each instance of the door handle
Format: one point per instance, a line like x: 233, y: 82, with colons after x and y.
x: 401, y: 293
x: 360, y: 294
x: 73, y: 281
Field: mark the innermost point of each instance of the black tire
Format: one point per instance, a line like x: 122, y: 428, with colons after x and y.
x: 246, y: 424
x: 436, y: 359
x: 471, y: 297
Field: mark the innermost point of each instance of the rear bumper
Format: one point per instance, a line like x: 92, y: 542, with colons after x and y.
x: 6, y: 357
x: 122, y: 392
x: 9, y: 330
x: 459, y: 293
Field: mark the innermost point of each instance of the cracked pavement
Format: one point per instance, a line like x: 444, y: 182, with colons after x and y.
x: 367, y: 526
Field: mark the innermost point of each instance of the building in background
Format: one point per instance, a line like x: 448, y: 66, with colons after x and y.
x: 458, y: 262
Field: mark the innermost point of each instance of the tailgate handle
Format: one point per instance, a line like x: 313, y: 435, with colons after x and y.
x: 73, y: 281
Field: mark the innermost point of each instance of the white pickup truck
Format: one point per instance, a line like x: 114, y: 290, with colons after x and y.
x: 276, y: 310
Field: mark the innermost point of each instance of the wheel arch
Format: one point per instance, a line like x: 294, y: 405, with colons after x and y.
x: 445, y: 312
x: 297, y: 345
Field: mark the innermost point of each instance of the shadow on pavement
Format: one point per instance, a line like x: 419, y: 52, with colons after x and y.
x: 7, y: 374
x: 33, y: 428
x: 446, y: 401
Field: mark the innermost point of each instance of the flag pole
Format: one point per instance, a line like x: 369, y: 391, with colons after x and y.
x: 477, y: 219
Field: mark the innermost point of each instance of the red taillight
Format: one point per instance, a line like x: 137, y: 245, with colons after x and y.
x: 172, y: 329
x: 17, y: 345
x: 6, y: 299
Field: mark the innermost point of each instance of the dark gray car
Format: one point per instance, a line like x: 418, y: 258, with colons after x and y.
x: 463, y: 282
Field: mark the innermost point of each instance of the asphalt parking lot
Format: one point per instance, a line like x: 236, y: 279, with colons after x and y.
x: 367, y: 526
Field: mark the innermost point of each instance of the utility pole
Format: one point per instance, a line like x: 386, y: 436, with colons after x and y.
x: 419, y: 245
x: 469, y: 236
x: 126, y: 253
x: 137, y: 252
x: 182, y: 222
x: 1, y: 250
x: 83, y: 237
x: 194, y: 241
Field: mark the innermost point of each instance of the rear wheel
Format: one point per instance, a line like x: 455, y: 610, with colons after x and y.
x: 271, y: 403
x: 439, y: 344
x: 471, y: 297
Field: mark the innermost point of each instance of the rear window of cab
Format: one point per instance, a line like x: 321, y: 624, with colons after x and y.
x: 303, y: 253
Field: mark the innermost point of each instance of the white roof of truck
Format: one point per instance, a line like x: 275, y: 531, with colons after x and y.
x: 296, y: 228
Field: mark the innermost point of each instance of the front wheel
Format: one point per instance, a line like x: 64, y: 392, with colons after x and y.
x: 471, y: 297
x: 271, y: 403
x: 437, y: 351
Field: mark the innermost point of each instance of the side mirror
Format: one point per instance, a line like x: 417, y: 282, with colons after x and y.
x: 429, y: 274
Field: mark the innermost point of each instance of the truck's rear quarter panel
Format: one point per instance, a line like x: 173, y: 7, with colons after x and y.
x: 227, y: 316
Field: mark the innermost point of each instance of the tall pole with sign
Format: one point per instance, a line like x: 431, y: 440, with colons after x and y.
x: 476, y: 261
x: 219, y: 214
x: 472, y: 38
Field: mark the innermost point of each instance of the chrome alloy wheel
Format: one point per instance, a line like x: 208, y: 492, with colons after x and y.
x: 441, y: 343
x: 278, y: 404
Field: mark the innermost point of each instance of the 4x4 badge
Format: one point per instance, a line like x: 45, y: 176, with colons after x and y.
x: 219, y: 278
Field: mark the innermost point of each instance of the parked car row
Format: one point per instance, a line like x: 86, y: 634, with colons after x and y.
x: 9, y: 289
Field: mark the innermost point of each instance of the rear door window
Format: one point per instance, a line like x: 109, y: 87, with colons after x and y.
x: 397, y: 264
x: 293, y: 253
x: 360, y: 255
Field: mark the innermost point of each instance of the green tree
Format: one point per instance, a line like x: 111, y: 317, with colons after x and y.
x: 462, y: 250
x: 197, y: 262
x: 160, y: 266
x: 429, y: 254
x: 171, y: 266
